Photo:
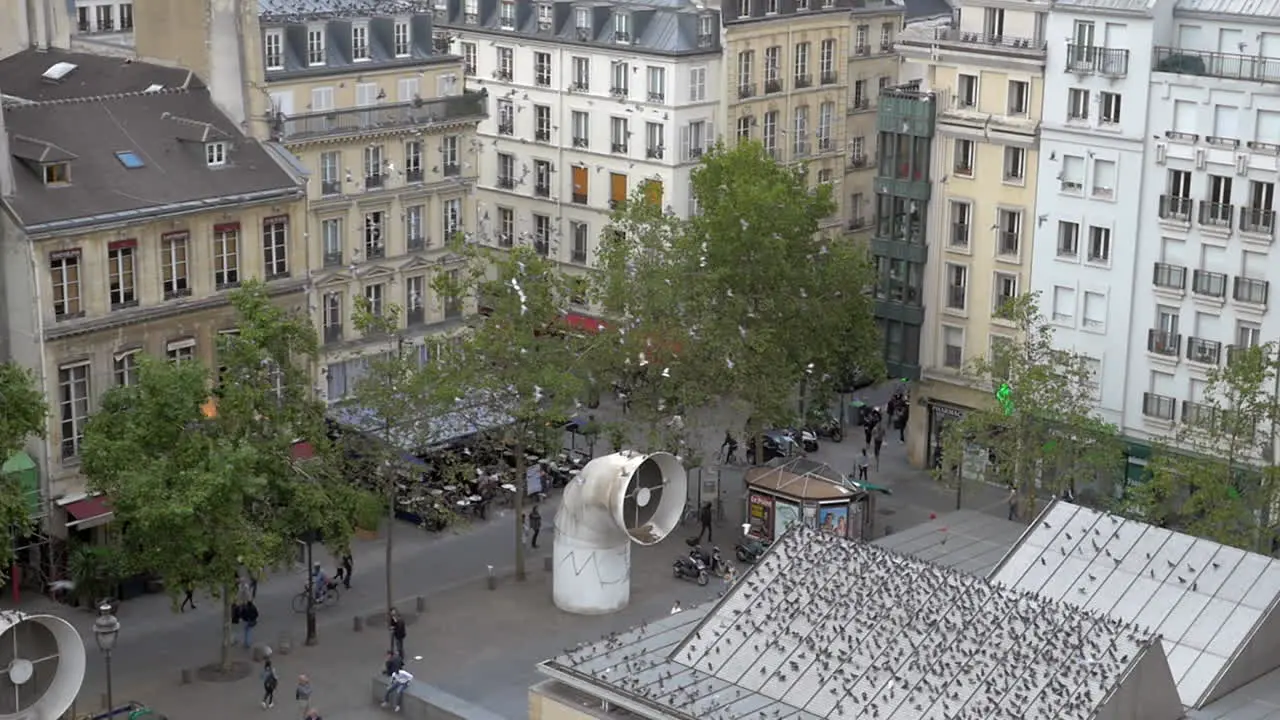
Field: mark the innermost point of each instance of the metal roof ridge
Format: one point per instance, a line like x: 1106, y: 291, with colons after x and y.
x: 26, y: 103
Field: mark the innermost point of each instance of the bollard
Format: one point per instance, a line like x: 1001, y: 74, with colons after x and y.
x: 186, y: 676
x: 492, y: 579
x: 422, y: 604
x: 546, y: 564
x: 357, y: 623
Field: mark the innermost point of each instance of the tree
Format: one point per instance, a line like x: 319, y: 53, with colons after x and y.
x: 1215, y: 476
x: 1039, y: 432
x: 22, y: 416
x: 202, y: 487
x: 747, y: 294
x: 518, y: 362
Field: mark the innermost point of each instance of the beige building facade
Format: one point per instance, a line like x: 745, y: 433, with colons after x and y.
x: 803, y: 79
x: 986, y: 69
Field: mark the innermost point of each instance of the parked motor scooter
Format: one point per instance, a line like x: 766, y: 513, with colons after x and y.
x: 824, y: 424
x: 749, y: 549
x: 712, y: 561
x: 690, y: 568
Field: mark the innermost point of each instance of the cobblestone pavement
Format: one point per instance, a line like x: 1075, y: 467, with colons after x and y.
x: 478, y: 644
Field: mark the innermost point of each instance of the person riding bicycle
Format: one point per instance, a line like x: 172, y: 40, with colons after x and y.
x: 319, y: 582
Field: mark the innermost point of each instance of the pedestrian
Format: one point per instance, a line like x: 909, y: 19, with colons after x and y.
x: 877, y: 442
x: 868, y: 427
x: 303, y: 693
x: 397, y: 634
x: 535, y: 525
x: 395, y: 689
x: 704, y: 518
x: 900, y: 421
x: 189, y: 598
x: 270, y: 681
x: 248, y: 618
x: 863, y: 464
x: 391, y: 664
x: 675, y: 608
x: 347, y: 565
x: 1013, y: 503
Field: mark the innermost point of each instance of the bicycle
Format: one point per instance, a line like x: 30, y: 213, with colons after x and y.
x: 329, y: 597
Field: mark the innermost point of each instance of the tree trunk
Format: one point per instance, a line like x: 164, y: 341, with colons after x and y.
x: 224, y: 652
x: 391, y: 525
x: 522, y: 487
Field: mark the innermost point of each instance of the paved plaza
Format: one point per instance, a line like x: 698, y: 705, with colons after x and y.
x: 478, y: 644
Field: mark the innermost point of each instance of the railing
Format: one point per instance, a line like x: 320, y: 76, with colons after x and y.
x: 828, y: 78
x: 413, y: 175
x: 1160, y: 407
x: 1007, y: 243
x: 656, y: 97
x: 1258, y: 220
x: 856, y: 223
x: 963, y: 167
x: 416, y: 242
x: 746, y: 90
x: 581, y: 142
x: 653, y: 153
x: 506, y: 128
x: 541, y: 246
x: 330, y: 187
x: 1216, y: 214
x: 373, y: 181
x: 333, y: 333
x: 373, y: 251
x: 981, y: 41
x: 1210, y: 284
x: 619, y: 148
x: 1249, y: 290
x: 859, y: 104
x: 451, y: 169
x: 506, y: 183
x: 1228, y: 66
x: 542, y: 190
x: 803, y: 81
x: 541, y: 135
x: 1198, y: 414
x: 772, y: 86
x: 468, y: 106
x: 1163, y: 342
x: 1208, y: 352
x: 1169, y: 276
x: 580, y: 198
x: 579, y: 256
x: 333, y: 259
x: 415, y: 316
x: 955, y: 297
x: 1091, y: 59
x: 959, y: 234
x: 857, y: 162
x: 619, y: 91
x: 1237, y: 352
x: 1174, y: 207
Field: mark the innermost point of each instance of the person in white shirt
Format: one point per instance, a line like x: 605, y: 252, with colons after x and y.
x: 399, y: 681
x: 676, y: 608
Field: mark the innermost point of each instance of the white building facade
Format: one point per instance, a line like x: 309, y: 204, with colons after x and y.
x: 589, y: 101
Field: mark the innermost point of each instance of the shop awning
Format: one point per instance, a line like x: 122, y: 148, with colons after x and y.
x: 586, y: 323
x: 88, y: 513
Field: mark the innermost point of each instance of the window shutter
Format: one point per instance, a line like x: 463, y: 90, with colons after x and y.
x: 580, y: 181
x: 685, y: 150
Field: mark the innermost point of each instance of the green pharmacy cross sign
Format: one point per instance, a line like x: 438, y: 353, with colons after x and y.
x: 1004, y: 396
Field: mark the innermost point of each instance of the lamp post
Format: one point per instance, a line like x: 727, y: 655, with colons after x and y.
x: 105, y: 630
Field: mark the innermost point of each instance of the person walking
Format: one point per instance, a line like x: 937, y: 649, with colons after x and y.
x: 248, y: 618
x: 189, y: 598
x: 303, y: 693
x: 397, y: 634
x: 347, y: 564
x: 270, y: 681
x: 900, y: 421
x: 869, y: 426
x: 877, y: 442
x: 704, y: 519
x: 863, y: 464
x: 395, y: 689
x: 535, y: 526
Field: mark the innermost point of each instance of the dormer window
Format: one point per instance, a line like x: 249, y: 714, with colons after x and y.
x: 57, y: 173
x: 315, y: 46
x: 359, y: 42
x: 273, y: 49
x: 621, y: 27
x: 507, y: 15
x: 402, y: 38
x: 706, y: 30
x: 544, y: 16
x: 441, y: 4
x: 472, y: 10
x: 215, y: 154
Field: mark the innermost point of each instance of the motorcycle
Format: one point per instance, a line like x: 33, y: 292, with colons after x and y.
x: 805, y: 438
x: 713, y: 560
x: 690, y: 568
x: 824, y: 424
x: 750, y: 549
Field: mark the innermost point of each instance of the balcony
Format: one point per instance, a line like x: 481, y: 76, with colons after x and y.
x: 1249, y: 290
x: 1236, y: 353
x: 859, y: 104
x: 333, y: 259
x: 1218, y: 215
x: 619, y: 91
x: 452, y: 169
x: 506, y: 128
x: 618, y: 148
x: 542, y: 77
x: 1227, y: 66
x: 657, y: 97
x: 858, y: 162
x: 580, y: 86
x: 374, y: 251
x: 772, y: 86
x: 359, y: 121
x: 579, y: 198
x: 542, y: 135
x: 1176, y: 208
x: 332, y: 333
x: 959, y: 235
x: 1260, y: 221
x: 825, y: 144
x: 1094, y: 60
x: 1209, y: 284
x: 581, y: 143
x: 330, y: 187
x: 1205, y: 352
x: 503, y: 74
x: 1198, y: 414
x: 956, y: 297
x: 506, y: 182
x: 416, y: 243
x: 828, y: 78
x: 1163, y: 342
x: 803, y: 81
x: 1159, y: 407
x: 1171, y: 277
x: 374, y: 181
x: 856, y: 223
x: 413, y: 175
x: 746, y: 91
x: 542, y: 191
x: 985, y: 43
x: 653, y: 153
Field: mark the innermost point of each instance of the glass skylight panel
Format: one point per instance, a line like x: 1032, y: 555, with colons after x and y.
x: 130, y: 159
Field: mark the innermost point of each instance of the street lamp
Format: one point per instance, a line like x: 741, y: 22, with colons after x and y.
x: 105, y: 630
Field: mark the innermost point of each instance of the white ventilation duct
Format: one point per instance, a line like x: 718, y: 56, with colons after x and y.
x: 43, y: 659
x: 618, y: 499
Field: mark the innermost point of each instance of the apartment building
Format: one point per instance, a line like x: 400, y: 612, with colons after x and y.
x: 986, y: 69
x: 130, y: 207
x: 794, y: 67
x: 591, y: 102
x: 103, y: 16
x: 379, y: 118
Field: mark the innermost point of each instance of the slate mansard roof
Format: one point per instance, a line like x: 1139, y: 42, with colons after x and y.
x: 134, y: 145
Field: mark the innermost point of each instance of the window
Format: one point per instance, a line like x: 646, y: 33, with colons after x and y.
x: 126, y: 16
x: 621, y: 78
x: 1064, y: 305
x: 706, y: 30
x: 952, y: 347
x: 413, y: 161
x: 861, y: 100
x: 961, y: 224
x: 415, y: 289
x: 1109, y: 108
x: 771, y: 7
x: 746, y: 70
x: 655, y: 139
x: 861, y: 39
x: 1072, y: 176
x: 401, y: 38
x: 122, y: 273
x: 542, y: 178
x: 621, y: 27
x: 215, y: 154
x: 826, y: 118
x: 542, y: 69
x: 73, y: 406
x: 967, y: 91
x: 414, y: 224
x: 180, y: 351
x: 125, y: 367
x: 744, y: 8
x: 331, y: 230
x: 1068, y: 239
x: 373, y: 294
x: 359, y: 42
x: 581, y: 123
x: 580, y: 235
x: 582, y: 18
x: 406, y: 89
x: 697, y: 84
x: 581, y: 74
x: 452, y: 217
x: 617, y: 190
x: 964, y: 155
x: 544, y: 16
x: 618, y: 134
x: 507, y: 15
x: 374, y: 235
x: 1019, y: 97
x: 330, y: 169
x: 273, y: 49
x: 541, y: 234
x: 506, y: 171
x: 469, y: 53
x: 800, y: 131
x: 1077, y: 104
x: 1006, y: 290
x: 333, y: 316
x: 506, y: 61
x: 173, y: 265
x: 315, y: 46
x: 105, y: 20
x: 1099, y: 244
x: 450, y: 162
x: 772, y: 69
x: 1248, y: 335
x: 801, y: 57
x: 1015, y: 164
x: 1104, y: 179
x: 957, y: 286
x: 657, y: 78
x: 1095, y: 310
x: 771, y: 133
x: 226, y: 255
x: 506, y: 226
x: 373, y: 166
x: 64, y: 271
x: 275, y: 247
x: 744, y: 125
x: 827, y: 62
x: 886, y: 37
x: 1009, y: 240
x: 1259, y: 215
x: 506, y: 117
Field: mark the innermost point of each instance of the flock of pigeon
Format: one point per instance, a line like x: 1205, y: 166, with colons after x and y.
x: 831, y: 628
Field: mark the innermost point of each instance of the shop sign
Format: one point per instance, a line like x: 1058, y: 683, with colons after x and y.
x: 760, y: 515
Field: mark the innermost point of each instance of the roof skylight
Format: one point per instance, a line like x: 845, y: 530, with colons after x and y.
x: 58, y: 70
x: 130, y: 159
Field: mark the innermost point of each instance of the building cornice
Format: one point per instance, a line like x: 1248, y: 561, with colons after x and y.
x: 524, y: 39
x: 1227, y: 18
x: 348, y: 71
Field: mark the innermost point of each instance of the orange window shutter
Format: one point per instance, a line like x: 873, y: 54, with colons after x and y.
x: 653, y: 192
x: 579, y: 181
x: 617, y: 187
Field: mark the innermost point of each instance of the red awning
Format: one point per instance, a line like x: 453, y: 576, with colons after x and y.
x: 87, y: 513
x: 579, y: 321
x: 302, y: 450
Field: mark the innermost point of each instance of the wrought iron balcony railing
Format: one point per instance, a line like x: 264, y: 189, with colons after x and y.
x: 1209, y: 284
x: 1250, y: 290
x: 1213, y: 214
x: 355, y: 121
x: 1260, y: 221
x: 1160, y: 407
x: 1175, y: 207
x: 980, y: 42
x: 1173, y: 277
x: 1228, y: 66
x: 1163, y: 342
x: 1207, y: 352
x: 1094, y: 60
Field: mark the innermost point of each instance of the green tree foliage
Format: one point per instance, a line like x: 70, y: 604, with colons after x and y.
x: 22, y: 416
x: 1215, y: 476
x: 1042, y: 436
x: 518, y: 361
x: 747, y: 296
x: 198, y: 497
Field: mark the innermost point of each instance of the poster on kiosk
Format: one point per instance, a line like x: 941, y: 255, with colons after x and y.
x: 760, y: 516
x: 785, y: 515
